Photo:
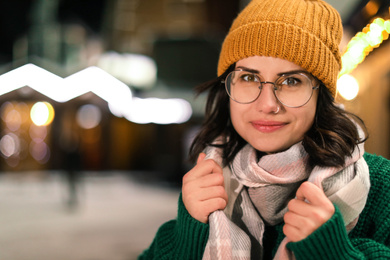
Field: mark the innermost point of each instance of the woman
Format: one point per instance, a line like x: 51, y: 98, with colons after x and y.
x: 280, y: 169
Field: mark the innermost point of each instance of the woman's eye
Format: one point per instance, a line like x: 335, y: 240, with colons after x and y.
x: 249, y: 78
x: 290, y: 81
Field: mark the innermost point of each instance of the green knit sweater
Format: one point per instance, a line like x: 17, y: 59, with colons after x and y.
x: 186, y: 238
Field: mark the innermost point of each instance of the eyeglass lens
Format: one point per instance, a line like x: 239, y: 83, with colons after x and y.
x: 292, y: 90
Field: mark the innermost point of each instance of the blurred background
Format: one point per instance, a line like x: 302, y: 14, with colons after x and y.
x: 97, y: 112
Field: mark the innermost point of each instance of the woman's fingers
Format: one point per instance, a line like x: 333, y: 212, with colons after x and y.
x: 203, y: 189
x: 203, y: 194
x: 298, y: 227
x: 202, y: 168
x: 312, y: 193
x: 215, y: 179
x: 200, y: 202
x: 307, y: 212
x: 201, y: 158
x: 292, y: 232
x: 205, y: 208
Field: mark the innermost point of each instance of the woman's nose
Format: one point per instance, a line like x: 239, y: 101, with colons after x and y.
x: 267, y: 101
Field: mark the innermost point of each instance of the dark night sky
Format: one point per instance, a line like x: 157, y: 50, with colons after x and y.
x: 13, y: 23
x: 15, y: 19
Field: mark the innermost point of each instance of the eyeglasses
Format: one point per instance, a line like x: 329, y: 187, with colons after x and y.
x: 291, y: 89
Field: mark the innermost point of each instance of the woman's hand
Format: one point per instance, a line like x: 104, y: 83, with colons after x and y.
x: 307, y: 212
x: 203, y: 189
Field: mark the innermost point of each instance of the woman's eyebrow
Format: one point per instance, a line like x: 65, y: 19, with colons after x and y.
x: 248, y: 69
x: 292, y: 72
x: 279, y: 74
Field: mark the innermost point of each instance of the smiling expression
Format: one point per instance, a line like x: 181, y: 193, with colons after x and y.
x: 265, y: 123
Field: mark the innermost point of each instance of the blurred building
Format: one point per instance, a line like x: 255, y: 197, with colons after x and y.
x: 157, y: 49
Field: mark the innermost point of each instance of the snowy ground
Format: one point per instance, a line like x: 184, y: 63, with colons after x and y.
x: 116, y: 217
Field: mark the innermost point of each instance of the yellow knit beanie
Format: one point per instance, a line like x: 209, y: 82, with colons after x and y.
x: 305, y: 32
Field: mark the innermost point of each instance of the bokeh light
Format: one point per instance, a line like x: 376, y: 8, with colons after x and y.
x: 40, y: 151
x: 42, y: 113
x: 134, y: 69
x: 9, y: 145
x: 11, y: 116
x: 363, y: 43
x: 348, y: 87
x: 88, y: 116
x: 38, y: 132
x: 160, y: 111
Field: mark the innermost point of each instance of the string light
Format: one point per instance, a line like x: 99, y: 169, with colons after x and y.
x: 363, y: 43
x: 357, y: 49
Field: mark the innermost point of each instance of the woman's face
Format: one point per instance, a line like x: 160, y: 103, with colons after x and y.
x: 258, y: 123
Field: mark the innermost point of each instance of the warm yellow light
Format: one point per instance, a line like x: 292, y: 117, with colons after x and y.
x: 371, y: 8
x: 363, y: 43
x: 386, y: 25
x: 42, y: 113
x: 348, y: 87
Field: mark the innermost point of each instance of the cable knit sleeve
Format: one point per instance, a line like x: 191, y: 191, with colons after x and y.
x: 183, y: 238
x: 370, y: 239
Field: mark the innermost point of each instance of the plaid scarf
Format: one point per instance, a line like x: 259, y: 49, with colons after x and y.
x: 259, y: 191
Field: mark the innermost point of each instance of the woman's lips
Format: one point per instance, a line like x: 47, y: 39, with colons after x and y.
x: 268, y: 126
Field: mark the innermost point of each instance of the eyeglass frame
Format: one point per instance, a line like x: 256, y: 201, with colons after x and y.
x: 306, y: 74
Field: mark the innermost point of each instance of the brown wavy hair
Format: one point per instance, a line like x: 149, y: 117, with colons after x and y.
x: 332, y: 137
